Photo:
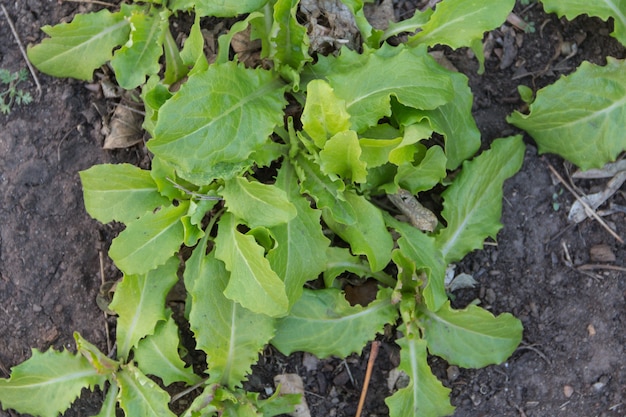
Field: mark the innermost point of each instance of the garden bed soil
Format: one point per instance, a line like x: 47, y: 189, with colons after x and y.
x: 571, y: 361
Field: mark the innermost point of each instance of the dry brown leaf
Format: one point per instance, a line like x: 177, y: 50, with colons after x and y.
x: 125, y: 129
x: 292, y: 384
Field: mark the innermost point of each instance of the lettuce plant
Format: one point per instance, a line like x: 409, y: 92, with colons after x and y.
x: 269, y: 201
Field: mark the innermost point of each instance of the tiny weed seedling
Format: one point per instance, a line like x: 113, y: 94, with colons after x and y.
x: 9, y: 93
x: 268, y: 201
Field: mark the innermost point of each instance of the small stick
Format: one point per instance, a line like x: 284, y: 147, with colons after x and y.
x: 591, y: 267
x: 22, y: 50
x: 588, y: 209
x: 102, y: 280
x: 368, y: 376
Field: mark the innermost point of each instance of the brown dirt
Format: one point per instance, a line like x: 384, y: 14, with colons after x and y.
x: 574, y: 321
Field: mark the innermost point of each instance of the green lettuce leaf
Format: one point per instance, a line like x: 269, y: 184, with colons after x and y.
x: 472, y: 337
x: 139, y: 301
x: 600, y: 8
x: 47, y: 383
x: 455, y: 122
x: 100, y: 362
x: 421, y: 249
x: 76, y: 49
x: 109, y: 407
x: 473, y: 203
x: 221, y: 8
x: 257, y: 204
x: 425, y: 396
x: 300, y: 251
x: 368, y: 236
x: 457, y: 23
x: 323, y: 322
x: 229, y: 112
x: 324, y: 115
x: 157, y: 354
x: 141, y: 396
x: 149, y: 241
x: 367, y: 83
x: 252, y: 282
x: 327, y: 193
x: 581, y: 116
x: 289, y: 42
x: 426, y: 174
x: 341, y: 156
x: 231, y: 335
x: 140, y: 55
x: 120, y: 192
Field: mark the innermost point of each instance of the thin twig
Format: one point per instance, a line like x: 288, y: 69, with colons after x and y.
x: 22, y: 50
x: 588, y: 209
x: 106, y: 322
x: 368, y: 376
x: 592, y: 267
x: 187, y: 391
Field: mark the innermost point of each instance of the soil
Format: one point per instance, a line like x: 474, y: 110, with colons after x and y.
x: 571, y: 361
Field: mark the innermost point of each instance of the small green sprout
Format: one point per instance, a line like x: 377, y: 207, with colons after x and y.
x: 11, y: 94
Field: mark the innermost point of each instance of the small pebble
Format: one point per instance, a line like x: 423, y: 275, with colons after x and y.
x: 598, y: 386
x: 591, y: 330
x: 568, y: 390
x: 453, y: 373
x: 37, y: 308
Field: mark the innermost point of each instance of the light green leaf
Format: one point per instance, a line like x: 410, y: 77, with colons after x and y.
x: 164, y: 175
x: 120, y: 192
x: 323, y: 322
x: 472, y: 337
x: 473, y: 203
x: 140, y: 55
x: 410, y: 25
x: 324, y: 114
x: 231, y: 335
x: 204, y: 404
x: 157, y: 354
x: 191, y: 232
x: 455, y: 122
x: 76, y: 49
x: 411, y: 76
x: 109, y: 406
x: 300, y: 251
x: 413, y: 134
x: 341, y: 260
x: 375, y: 152
x: 421, y: 249
x: 289, y: 43
x: 193, y: 50
x: 600, y: 8
x: 230, y: 111
x: 175, y: 69
x: 327, y: 193
x: 100, y: 362
x: 425, y: 396
x: 149, y: 241
x: 457, y: 22
x: 219, y: 8
x: 139, y: 300
x: 47, y: 383
x: 140, y: 396
x: 257, y: 204
x: 341, y: 156
x: 252, y: 283
x: 428, y: 173
x: 368, y: 236
x: 581, y: 116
